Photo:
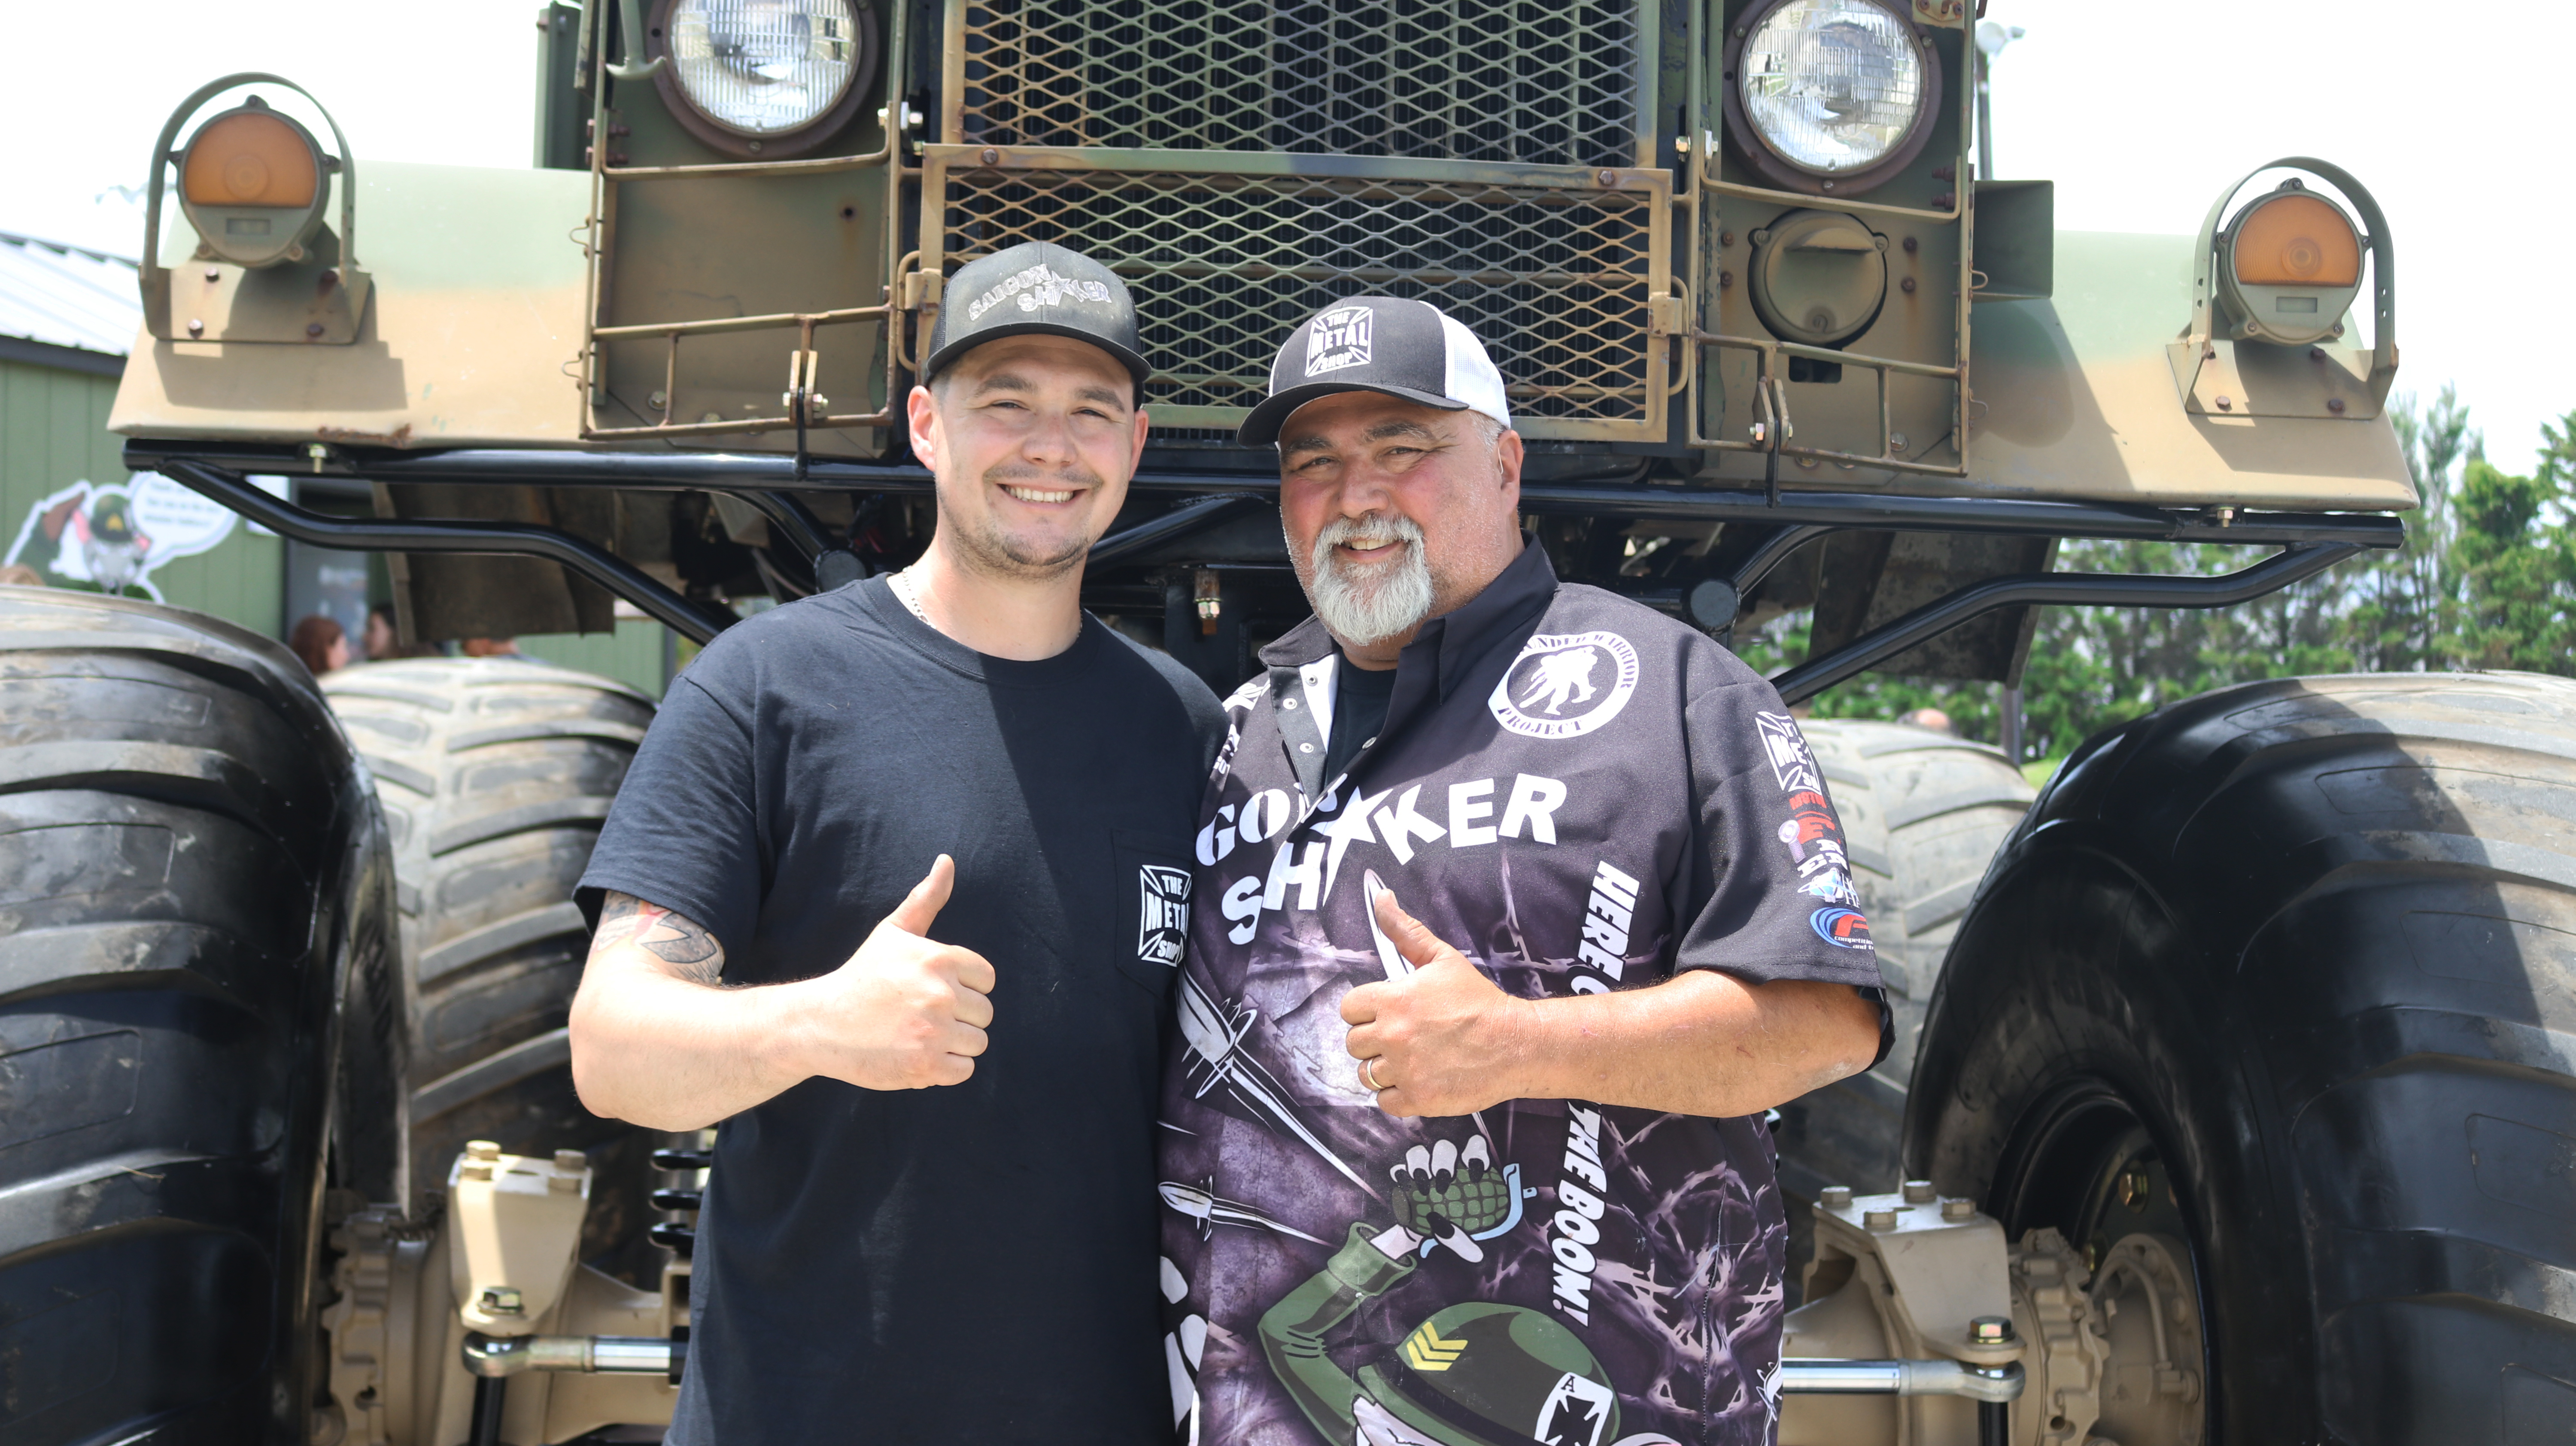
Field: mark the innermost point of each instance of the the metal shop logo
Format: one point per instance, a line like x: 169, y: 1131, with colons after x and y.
x: 1162, y: 914
x: 1339, y: 338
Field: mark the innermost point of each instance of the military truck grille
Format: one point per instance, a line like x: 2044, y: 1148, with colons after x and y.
x: 1555, y: 278
x: 1535, y: 82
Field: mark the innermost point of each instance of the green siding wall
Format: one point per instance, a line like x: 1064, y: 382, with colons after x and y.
x: 53, y: 433
x: 632, y: 655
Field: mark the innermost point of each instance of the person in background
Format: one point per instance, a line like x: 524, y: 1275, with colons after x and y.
x: 491, y: 648
x: 19, y: 574
x: 383, y: 640
x: 1932, y: 718
x: 320, y: 643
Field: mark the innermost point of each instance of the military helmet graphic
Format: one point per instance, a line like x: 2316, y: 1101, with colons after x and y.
x: 1482, y: 1374
x: 111, y: 519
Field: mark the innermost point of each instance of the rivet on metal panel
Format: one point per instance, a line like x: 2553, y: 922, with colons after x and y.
x: 1609, y: 178
x: 1725, y: 279
x: 1906, y: 285
x: 2224, y: 404
x: 992, y: 156
x: 2334, y: 404
x: 2315, y: 353
x: 1725, y: 238
x: 196, y: 327
x: 213, y: 275
x: 313, y: 328
x: 1910, y: 245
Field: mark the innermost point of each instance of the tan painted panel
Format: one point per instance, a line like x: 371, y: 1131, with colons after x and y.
x: 2114, y: 429
x: 469, y: 340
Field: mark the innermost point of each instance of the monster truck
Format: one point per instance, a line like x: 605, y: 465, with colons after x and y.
x: 2234, y: 1095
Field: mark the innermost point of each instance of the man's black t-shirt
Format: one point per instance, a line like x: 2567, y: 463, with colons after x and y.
x: 971, y: 1263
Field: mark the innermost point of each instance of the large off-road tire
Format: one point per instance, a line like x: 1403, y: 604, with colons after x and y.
x: 1922, y: 814
x: 194, y: 912
x: 2288, y: 972
x: 495, y: 774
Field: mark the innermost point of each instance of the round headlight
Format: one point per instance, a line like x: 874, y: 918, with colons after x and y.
x: 251, y: 183
x: 767, y: 72
x: 1839, y: 91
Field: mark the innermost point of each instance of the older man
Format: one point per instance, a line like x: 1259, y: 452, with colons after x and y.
x: 1517, y: 904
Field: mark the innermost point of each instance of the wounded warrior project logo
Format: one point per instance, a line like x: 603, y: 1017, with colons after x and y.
x: 1162, y: 914
x: 1565, y: 685
x: 1339, y: 338
x: 1813, y: 838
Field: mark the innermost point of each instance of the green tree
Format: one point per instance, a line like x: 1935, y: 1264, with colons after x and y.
x: 2514, y: 551
x: 2484, y: 580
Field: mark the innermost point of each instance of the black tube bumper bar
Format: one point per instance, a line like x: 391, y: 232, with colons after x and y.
x: 2064, y: 588
x: 739, y: 473
x: 592, y: 561
x: 2313, y: 541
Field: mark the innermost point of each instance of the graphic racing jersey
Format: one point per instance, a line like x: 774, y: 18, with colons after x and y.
x: 1582, y: 796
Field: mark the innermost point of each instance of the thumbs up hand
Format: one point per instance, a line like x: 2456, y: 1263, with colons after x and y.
x: 905, y: 1012
x: 1442, y: 1040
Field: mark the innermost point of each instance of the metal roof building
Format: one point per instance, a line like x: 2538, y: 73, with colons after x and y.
x: 67, y: 306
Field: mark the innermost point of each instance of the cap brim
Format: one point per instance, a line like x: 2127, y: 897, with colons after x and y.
x: 938, y: 361
x: 1262, y: 427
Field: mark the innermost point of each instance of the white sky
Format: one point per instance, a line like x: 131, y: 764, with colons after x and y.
x: 2140, y: 114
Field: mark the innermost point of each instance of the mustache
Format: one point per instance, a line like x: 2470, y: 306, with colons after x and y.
x: 1020, y: 474
x: 1368, y: 530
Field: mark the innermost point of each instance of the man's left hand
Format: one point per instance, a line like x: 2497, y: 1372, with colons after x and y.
x: 1443, y: 1040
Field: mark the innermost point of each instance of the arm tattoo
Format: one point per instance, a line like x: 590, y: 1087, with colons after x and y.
x: 675, y: 939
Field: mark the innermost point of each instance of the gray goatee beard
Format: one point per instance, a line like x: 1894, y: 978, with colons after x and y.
x: 1367, y: 604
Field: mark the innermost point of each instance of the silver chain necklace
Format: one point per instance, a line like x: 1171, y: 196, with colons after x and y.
x: 908, y: 590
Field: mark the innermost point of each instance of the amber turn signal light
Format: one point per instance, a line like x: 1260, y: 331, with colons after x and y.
x: 251, y: 183
x: 2294, y: 239
x: 250, y: 158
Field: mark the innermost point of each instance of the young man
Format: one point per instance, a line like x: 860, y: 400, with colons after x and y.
x: 1501, y: 884
x: 892, y: 894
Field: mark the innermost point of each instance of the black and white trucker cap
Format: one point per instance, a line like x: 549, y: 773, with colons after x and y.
x: 1408, y: 349
x: 1035, y: 287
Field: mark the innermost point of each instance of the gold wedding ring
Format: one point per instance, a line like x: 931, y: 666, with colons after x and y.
x: 1368, y: 1073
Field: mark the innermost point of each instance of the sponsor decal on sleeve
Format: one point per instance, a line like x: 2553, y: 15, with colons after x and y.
x: 1843, y: 927
x: 1565, y: 685
x: 1791, y: 764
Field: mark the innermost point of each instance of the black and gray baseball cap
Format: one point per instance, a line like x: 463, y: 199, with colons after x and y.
x: 1035, y: 287
x: 1408, y: 349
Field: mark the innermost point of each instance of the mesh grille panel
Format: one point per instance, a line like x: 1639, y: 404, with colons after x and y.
x: 1556, y: 282
x: 1544, y: 82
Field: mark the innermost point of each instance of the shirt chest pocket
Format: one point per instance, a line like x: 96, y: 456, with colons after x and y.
x: 1151, y: 873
